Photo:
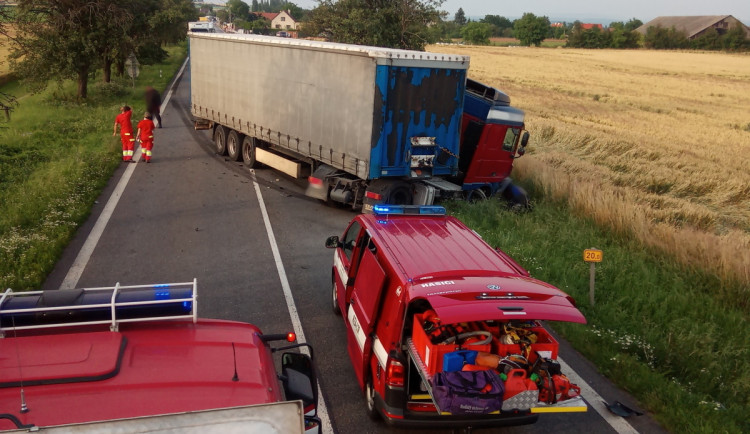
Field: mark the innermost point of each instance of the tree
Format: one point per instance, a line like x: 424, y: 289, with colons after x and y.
x: 459, y: 18
x: 238, y: 9
x: 623, y: 35
x: 530, y: 29
x: 477, y: 33
x: 59, y: 40
x: 735, y: 39
x: 499, y: 24
x: 660, y: 38
x: 383, y: 23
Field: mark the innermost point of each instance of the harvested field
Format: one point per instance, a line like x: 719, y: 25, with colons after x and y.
x: 652, y: 144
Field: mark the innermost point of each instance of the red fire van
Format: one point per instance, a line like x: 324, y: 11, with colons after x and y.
x: 423, y: 297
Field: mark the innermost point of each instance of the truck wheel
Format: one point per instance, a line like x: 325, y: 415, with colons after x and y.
x: 477, y: 195
x: 398, y: 193
x: 234, y: 145
x: 372, y: 411
x: 220, y: 140
x: 248, y: 152
x: 336, y: 308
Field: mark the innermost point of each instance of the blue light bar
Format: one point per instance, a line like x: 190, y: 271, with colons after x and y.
x: 384, y: 209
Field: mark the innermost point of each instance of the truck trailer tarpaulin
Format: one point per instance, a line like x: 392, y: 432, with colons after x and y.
x: 352, y: 107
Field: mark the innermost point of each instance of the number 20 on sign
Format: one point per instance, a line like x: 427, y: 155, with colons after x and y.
x: 592, y: 255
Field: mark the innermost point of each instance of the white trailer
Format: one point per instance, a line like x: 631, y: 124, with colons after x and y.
x: 355, y: 119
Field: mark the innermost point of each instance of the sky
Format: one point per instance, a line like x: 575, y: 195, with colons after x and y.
x: 599, y: 11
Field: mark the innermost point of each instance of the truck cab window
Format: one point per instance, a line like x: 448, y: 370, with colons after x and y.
x: 350, y: 239
x: 511, y: 138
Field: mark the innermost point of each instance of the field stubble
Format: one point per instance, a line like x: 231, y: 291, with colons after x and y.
x: 652, y: 144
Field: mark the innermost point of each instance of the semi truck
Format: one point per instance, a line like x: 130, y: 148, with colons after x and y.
x: 365, y: 125
x: 138, y: 358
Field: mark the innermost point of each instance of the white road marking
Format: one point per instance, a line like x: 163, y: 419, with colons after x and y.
x: 296, y: 323
x: 76, y: 270
x: 596, y: 401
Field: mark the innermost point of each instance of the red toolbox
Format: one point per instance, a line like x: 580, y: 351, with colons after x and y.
x: 545, y: 345
x: 432, y: 354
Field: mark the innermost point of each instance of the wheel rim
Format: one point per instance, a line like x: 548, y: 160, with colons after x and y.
x: 233, y: 146
x: 335, y: 298
x: 220, y: 143
x: 248, y: 152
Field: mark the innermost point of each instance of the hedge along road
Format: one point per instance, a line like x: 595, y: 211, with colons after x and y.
x: 255, y: 244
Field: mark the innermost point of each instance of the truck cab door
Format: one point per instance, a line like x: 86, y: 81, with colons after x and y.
x: 493, y: 159
x: 363, y: 305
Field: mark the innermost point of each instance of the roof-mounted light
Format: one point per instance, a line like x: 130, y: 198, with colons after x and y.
x: 384, y: 209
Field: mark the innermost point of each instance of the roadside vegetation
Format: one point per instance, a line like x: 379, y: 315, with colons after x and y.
x: 656, y: 328
x: 56, y: 155
x: 650, y: 145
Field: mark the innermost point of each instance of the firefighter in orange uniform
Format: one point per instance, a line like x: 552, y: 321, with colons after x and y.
x: 146, y: 136
x: 126, y: 132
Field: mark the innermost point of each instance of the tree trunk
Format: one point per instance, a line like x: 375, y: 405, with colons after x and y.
x: 120, y: 66
x: 107, y: 70
x: 83, y: 82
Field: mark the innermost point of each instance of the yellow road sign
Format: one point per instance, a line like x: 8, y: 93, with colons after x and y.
x: 592, y: 255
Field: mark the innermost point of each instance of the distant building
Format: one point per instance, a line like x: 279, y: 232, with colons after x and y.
x: 589, y: 26
x: 280, y: 21
x: 695, y: 26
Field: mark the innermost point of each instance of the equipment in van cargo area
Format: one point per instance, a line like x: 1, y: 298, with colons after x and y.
x: 520, y: 356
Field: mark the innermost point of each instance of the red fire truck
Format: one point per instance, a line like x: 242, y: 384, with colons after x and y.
x: 139, y: 355
x: 423, y: 295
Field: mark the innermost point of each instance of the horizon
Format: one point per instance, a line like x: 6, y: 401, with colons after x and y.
x: 478, y: 9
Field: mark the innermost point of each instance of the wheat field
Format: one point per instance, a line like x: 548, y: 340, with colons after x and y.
x: 652, y: 144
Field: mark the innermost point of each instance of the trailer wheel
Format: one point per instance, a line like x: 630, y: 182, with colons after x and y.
x: 234, y: 145
x: 398, y: 193
x: 248, y: 152
x: 335, y: 300
x: 220, y: 140
x: 372, y: 411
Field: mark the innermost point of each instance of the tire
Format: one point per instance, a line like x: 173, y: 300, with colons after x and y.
x: 372, y: 411
x: 335, y: 300
x: 220, y: 140
x: 248, y: 152
x: 399, y: 193
x: 477, y: 195
x: 234, y: 145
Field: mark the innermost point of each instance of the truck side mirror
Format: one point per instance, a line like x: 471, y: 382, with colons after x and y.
x: 524, y: 141
x: 298, y: 379
x: 333, y: 242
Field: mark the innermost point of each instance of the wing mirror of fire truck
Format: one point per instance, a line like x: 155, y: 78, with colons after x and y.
x: 524, y: 141
x: 299, y: 381
x: 333, y: 242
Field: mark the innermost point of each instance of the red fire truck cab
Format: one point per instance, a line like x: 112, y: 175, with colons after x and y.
x: 418, y: 289
x: 140, y: 354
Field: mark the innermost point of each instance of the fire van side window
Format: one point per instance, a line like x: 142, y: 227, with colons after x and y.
x: 350, y: 239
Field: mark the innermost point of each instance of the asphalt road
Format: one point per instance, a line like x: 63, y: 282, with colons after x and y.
x: 193, y: 214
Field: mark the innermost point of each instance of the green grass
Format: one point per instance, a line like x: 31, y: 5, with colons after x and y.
x: 656, y: 329
x: 56, y: 155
